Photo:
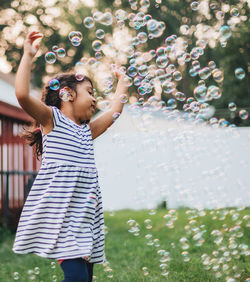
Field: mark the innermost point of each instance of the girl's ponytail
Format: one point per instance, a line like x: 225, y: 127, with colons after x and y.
x: 50, y: 97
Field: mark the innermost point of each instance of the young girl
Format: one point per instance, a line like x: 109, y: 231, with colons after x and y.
x: 62, y: 217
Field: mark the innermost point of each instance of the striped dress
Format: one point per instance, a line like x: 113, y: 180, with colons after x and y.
x: 62, y: 217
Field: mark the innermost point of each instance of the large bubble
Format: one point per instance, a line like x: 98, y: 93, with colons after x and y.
x: 239, y: 73
x: 50, y: 57
x: 54, y: 84
x: 89, y: 22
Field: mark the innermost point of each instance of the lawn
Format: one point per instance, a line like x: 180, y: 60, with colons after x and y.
x: 145, y: 246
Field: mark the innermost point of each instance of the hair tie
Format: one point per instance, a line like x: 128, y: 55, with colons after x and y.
x: 37, y: 129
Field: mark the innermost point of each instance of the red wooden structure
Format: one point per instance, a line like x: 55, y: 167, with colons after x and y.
x: 16, y: 158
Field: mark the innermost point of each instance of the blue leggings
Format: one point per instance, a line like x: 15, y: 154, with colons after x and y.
x: 77, y: 270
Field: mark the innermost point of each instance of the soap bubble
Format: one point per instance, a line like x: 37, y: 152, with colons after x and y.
x: 225, y: 32
x: 196, y: 65
x: 55, y: 48
x: 64, y: 95
x: 115, y: 116
x: 121, y: 15
x: 162, y: 61
x: 195, y: 53
x: 145, y: 4
x: 180, y: 96
x: 200, y: 93
x: 156, y: 242
x: 148, y: 223
x: 138, y: 21
x: 184, y: 29
x: 98, y: 55
x: 50, y: 57
x: 143, y: 70
x: 161, y: 51
x: 75, y: 41
x: 97, y: 45
x: 218, y: 75
x: 106, y: 19
x: 133, y: 227
x: 171, y: 103
x: 100, y: 33
x: 234, y: 12
x: 170, y: 40
x: 239, y: 73
x: 155, y: 28
x: 232, y: 106
x: 204, y: 73
x: 37, y: 270
x: 168, y: 87
x: 79, y: 76
x: 142, y: 36
x: 132, y: 71
x: 61, y: 52
x: 89, y: 22
x: 75, y: 38
x: 124, y: 98
x: 193, y: 72
x: 16, y: 276
x: 145, y: 271
x: 164, y: 271
x: 211, y: 65
x: 243, y: 114
x: 177, y: 76
x: 214, y: 92
x: 54, y: 84
x: 185, y: 256
x: 75, y: 35
x: 194, y: 5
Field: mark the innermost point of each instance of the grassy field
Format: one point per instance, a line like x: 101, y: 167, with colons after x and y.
x: 133, y: 257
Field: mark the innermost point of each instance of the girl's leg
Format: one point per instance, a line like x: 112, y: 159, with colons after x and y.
x: 75, y: 270
x: 90, y: 271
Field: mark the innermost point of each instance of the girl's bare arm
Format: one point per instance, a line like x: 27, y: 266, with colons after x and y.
x: 33, y: 106
x: 101, y: 123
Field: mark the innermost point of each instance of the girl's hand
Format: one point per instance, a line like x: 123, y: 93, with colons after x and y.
x: 116, y: 71
x: 29, y: 48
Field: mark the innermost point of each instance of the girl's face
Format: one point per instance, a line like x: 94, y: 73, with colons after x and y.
x: 85, y: 102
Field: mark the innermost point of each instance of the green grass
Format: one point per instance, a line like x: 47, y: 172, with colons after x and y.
x: 128, y: 254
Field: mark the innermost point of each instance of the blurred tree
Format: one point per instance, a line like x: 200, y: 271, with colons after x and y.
x: 198, y: 26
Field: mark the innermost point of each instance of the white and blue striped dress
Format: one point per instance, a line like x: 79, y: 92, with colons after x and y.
x: 62, y: 217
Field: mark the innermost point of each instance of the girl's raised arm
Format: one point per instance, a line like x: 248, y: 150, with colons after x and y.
x: 101, y: 123
x: 33, y: 106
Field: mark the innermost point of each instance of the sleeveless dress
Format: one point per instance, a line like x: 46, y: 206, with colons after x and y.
x: 62, y: 217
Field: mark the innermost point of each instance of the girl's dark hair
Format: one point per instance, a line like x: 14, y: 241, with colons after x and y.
x: 51, y: 98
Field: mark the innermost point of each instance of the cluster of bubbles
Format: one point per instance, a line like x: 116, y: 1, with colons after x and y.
x: 50, y: 57
x: 108, y: 269
x: 75, y: 38
x: 154, y: 70
x: 33, y: 274
x: 228, y: 247
x: 134, y: 227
